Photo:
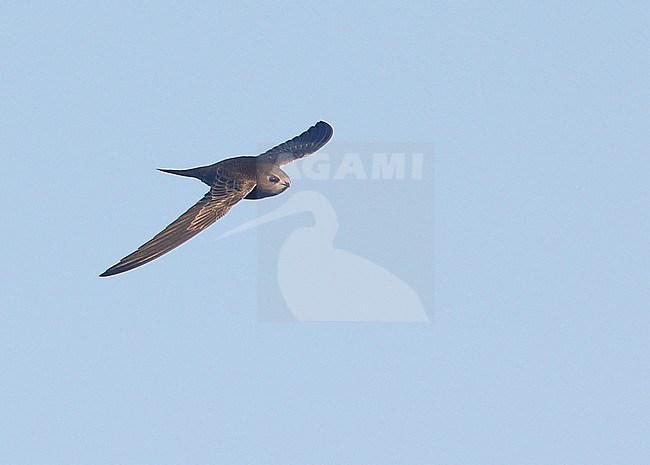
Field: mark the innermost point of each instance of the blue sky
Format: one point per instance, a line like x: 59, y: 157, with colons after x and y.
x: 527, y: 239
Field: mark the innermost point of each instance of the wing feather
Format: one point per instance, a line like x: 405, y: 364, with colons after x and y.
x: 300, y: 146
x: 224, y: 193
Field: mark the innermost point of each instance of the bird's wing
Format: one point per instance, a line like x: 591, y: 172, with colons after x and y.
x: 300, y: 146
x: 224, y: 193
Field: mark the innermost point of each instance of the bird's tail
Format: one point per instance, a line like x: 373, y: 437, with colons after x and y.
x: 204, y: 173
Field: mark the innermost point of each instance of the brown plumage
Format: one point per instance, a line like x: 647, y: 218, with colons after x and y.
x: 230, y: 181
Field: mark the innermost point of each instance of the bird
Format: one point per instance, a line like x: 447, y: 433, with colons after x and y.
x: 230, y: 180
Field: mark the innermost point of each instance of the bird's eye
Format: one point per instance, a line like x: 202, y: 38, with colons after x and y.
x: 274, y: 178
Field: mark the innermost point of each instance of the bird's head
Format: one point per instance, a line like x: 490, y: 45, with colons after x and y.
x: 271, y: 180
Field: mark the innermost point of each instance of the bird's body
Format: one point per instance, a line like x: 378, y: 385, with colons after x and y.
x: 230, y: 181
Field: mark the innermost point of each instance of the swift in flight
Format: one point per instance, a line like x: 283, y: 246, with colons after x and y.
x: 231, y: 180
